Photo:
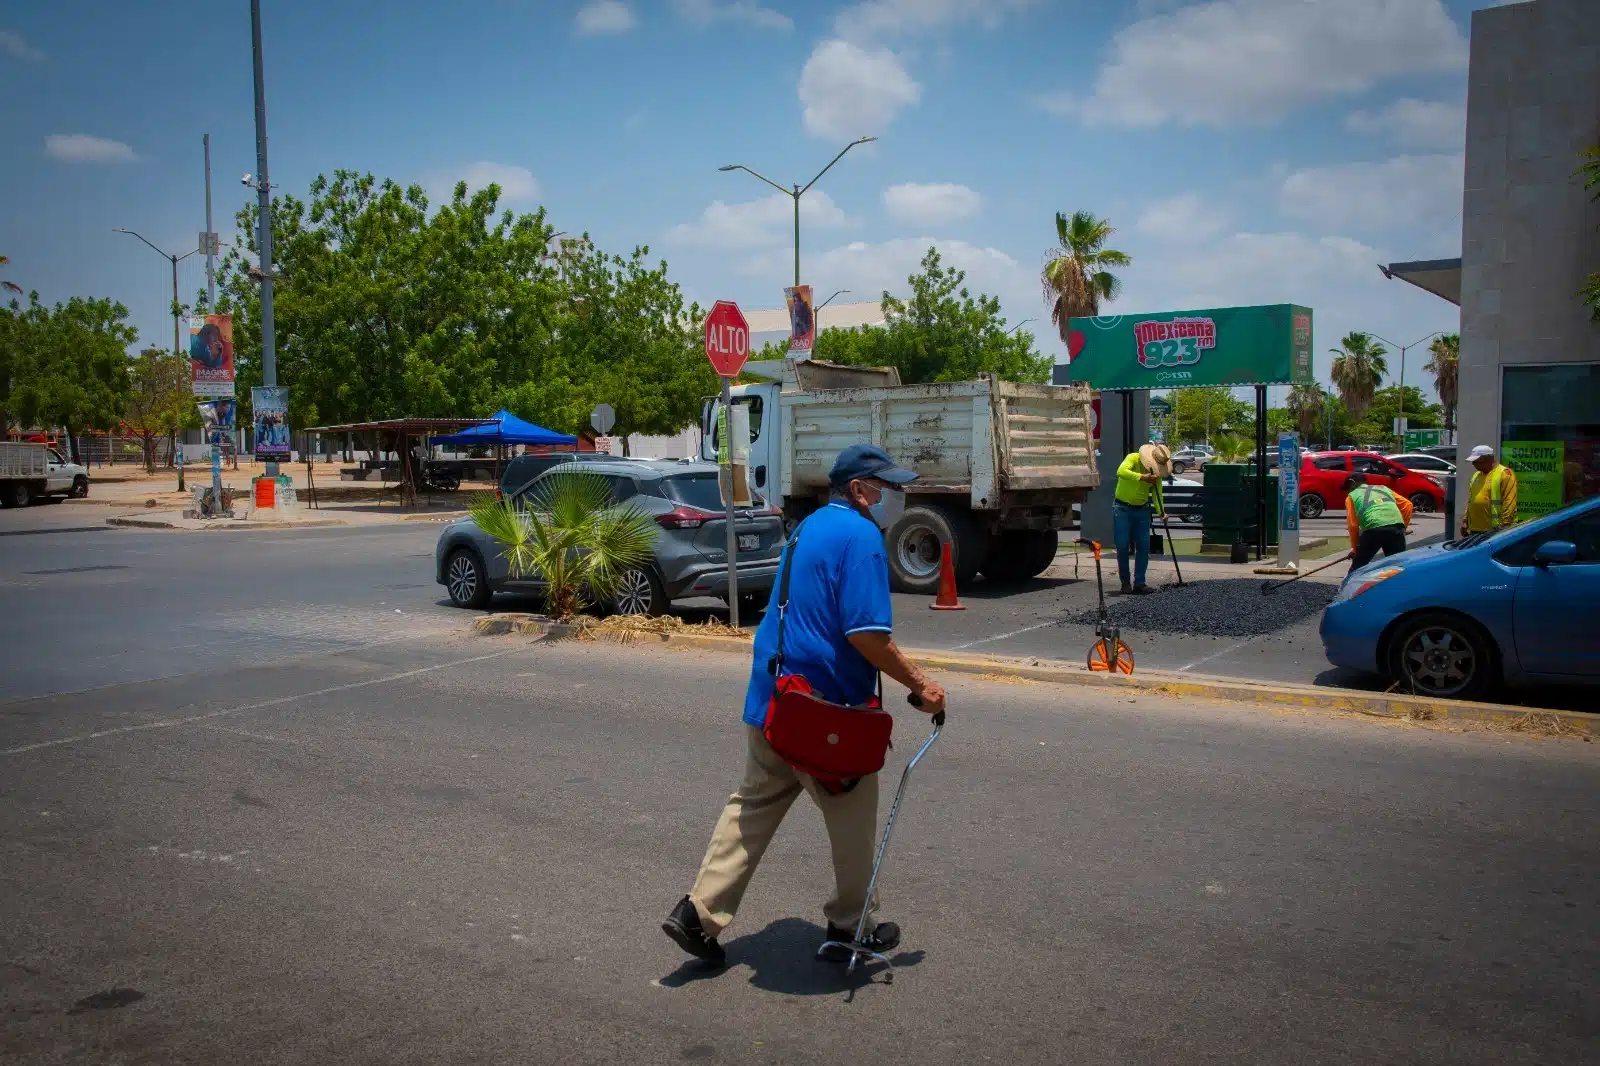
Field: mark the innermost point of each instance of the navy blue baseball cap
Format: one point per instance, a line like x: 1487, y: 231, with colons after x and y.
x: 867, y: 461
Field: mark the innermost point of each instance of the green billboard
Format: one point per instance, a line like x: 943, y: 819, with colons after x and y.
x: 1268, y: 345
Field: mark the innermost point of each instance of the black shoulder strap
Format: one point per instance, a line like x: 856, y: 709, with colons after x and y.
x: 775, y: 664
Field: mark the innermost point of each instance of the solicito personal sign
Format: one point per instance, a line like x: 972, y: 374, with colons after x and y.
x: 1267, y: 345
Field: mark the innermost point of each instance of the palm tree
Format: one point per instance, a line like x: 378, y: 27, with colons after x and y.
x: 9, y: 285
x: 1075, y: 276
x: 569, y: 533
x: 1443, y: 365
x: 1232, y: 447
x: 1359, y: 371
x: 1305, y: 404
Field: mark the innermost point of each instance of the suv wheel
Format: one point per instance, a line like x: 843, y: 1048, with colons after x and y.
x: 1438, y: 654
x: 465, y: 580
x: 1312, y: 505
x: 640, y: 592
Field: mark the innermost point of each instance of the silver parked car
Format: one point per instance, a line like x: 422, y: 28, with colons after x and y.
x: 691, y: 557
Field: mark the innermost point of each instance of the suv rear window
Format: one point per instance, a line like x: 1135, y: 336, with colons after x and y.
x: 696, y: 490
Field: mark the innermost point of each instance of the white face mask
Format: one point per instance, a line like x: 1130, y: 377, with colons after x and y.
x: 890, y: 506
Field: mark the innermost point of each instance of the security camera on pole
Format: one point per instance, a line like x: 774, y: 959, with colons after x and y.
x: 728, y: 347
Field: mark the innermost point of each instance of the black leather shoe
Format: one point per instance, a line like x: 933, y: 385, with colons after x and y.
x: 683, y: 926
x: 882, y: 939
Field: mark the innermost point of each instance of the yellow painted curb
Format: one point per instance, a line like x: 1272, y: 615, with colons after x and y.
x: 1392, y: 705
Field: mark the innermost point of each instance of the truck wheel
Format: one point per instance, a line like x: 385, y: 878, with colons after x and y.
x: 915, y: 544
x: 1042, y: 548
x: 80, y: 488
x: 1020, y: 554
x: 18, y: 494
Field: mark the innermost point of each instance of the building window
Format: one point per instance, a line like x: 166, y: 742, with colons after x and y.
x: 1550, y: 434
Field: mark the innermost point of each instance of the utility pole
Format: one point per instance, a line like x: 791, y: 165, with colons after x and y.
x: 269, y: 359
x: 797, y: 191
x: 211, y: 244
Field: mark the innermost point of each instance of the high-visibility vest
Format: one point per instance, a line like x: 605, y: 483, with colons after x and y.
x: 1375, y: 507
x: 1497, y: 479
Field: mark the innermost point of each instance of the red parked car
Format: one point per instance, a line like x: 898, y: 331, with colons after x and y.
x: 1322, y: 477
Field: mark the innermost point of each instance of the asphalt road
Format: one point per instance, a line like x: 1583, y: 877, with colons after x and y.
x: 459, y: 850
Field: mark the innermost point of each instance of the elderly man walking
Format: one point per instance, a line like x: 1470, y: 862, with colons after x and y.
x: 837, y: 633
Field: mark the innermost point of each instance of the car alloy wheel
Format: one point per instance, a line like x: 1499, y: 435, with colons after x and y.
x: 1438, y: 661
x: 1311, y: 506
x: 462, y: 579
x: 635, y: 594
x: 1179, y: 466
x: 1423, y: 503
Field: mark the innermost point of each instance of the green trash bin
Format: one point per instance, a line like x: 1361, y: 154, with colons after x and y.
x: 1230, y: 507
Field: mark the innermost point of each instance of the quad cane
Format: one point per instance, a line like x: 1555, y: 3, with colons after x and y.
x: 1109, y: 654
x: 857, y: 950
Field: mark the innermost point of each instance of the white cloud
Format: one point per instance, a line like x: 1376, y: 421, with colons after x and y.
x: 1253, y: 61
x: 706, y: 12
x: 1406, y: 192
x: 879, y: 18
x: 848, y: 91
x: 517, y: 184
x: 1184, y: 219
x: 82, y: 148
x: 931, y: 205
x: 16, y: 46
x: 1415, y: 123
x: 758, y: 223
x: 604, y: 16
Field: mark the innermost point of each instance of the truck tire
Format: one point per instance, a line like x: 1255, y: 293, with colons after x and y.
x: 80, y: 488
x: 1020, y: 554
x: 914, y: 544
x: 18, y: 494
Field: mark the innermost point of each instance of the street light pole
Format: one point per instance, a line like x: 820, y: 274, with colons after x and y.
x: 1019, y: 325
x: 798, y: 191
x: 816, y: 317
x: 1400, y: 421
x: 177, y: 347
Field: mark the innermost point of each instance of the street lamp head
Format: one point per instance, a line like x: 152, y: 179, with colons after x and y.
x: 727, y: 168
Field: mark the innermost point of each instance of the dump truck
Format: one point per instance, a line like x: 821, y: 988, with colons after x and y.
x: 30, y: 472
x: 1000, y: 463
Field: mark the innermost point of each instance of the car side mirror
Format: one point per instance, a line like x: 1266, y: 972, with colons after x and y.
x: 1555, y: 553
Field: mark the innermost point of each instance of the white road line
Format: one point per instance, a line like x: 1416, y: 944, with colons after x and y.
x: 1002, y: 636
x: 168, y: 723
x: 1218, y: 654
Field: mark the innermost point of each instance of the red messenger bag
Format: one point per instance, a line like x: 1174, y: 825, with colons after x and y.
x: 830, y: 742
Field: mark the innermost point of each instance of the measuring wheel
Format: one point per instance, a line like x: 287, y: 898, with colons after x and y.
x: 1109, y: 655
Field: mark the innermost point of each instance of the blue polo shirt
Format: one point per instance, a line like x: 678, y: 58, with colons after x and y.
x: 840, y: 586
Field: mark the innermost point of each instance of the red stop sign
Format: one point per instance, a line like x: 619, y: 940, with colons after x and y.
x: 727, y: 338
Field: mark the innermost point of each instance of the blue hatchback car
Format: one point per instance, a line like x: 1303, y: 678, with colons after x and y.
x: 1518, y: 606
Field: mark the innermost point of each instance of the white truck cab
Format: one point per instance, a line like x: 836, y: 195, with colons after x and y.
x: 31, y: 472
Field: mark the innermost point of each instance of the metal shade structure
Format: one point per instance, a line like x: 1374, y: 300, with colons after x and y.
x: 403, y: 430
x: 1441, y: 277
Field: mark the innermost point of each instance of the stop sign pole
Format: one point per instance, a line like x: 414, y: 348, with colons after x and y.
x: 727, y: 348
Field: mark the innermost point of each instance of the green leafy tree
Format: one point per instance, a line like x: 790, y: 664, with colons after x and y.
x: 569, y: 533
x: 386, y: 308
x: 1420, y: 414
x: 1305, y: 407
x: 1076, y: 276
x: 1590, y: 172
x: 1232, y: 447
x: 1199, y: 414
x: 942, y: 332
x: 67, y: 365
x: 1359, y: 370
x: 159, y: 399
x: 1444, y: 363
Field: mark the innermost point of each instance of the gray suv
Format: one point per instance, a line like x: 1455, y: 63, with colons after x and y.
x: 691, y: 557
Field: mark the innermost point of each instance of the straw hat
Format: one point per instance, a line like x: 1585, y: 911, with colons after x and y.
x: 1157, y: 458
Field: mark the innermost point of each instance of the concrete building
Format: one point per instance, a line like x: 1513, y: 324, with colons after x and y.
x: 1530, y: 350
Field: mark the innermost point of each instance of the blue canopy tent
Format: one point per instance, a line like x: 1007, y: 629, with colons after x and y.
x: 506, y: 428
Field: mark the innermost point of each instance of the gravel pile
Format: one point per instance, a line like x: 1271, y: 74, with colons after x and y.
x: 1233, y: 607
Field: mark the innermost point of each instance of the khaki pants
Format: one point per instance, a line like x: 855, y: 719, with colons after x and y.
x: 753, y: 815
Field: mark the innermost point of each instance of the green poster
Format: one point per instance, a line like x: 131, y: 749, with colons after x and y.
x: 1268, y: 345
x: 1540, y: 466
x: 1422, y: 438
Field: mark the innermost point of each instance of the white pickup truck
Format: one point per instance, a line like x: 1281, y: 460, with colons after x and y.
x: 1001, y: 463
x: 30, y: 472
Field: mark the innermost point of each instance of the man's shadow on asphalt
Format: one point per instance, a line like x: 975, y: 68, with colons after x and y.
x: 782, y: 958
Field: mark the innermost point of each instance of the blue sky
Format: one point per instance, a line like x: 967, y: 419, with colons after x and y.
x: 1248, y: 151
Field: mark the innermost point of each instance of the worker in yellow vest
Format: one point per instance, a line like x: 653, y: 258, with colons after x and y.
x: 1491, y: 495
x: 1137, y: 498
x: 1377, y: 518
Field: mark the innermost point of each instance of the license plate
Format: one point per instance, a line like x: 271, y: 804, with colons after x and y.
x: 749, y: 542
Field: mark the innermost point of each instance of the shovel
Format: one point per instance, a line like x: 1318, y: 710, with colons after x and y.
x: 1268, y: 587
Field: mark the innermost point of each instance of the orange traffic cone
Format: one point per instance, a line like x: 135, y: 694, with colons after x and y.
x: 946, y: 600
